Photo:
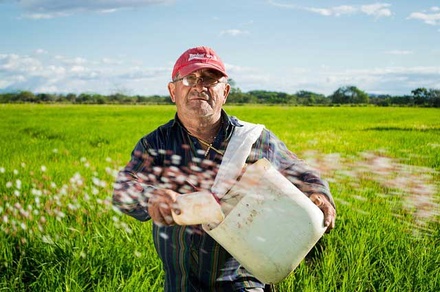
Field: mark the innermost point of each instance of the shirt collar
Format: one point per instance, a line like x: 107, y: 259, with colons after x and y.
x: 227, y: 121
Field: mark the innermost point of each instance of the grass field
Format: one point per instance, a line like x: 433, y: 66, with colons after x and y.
x: 59, y: 231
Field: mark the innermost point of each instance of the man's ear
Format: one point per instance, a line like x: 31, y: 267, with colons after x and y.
x: 172, y: 91
x: 226, y: 92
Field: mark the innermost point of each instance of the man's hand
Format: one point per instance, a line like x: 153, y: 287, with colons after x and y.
x: 160, y: 205
x: 327, y: 208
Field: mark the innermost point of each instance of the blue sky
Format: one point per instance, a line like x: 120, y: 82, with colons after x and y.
x: 130, y: 46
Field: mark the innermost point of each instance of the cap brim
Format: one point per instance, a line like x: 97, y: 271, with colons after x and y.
x: 197, y: 66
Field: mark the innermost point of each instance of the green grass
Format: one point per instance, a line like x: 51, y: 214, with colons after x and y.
x: 59, y: 231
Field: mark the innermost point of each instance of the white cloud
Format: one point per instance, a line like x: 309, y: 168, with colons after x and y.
x: 44, y: 15
x: 58, y: 70
x: 105, y: 11
x: 77, y: 69
x: 70, y: 60
x: 43, y: 9
x: 399, y: 52
x: 17, y: 63
x: 233, y: 32
x: 282, y: 5
x: 334, y: 11
x: 143, y: 74
x: 378, y: 9
x: 45, y: 73
x: 431, y: 17
x: 383, y: 80
x: 111, y: 61
x: 40, y: 51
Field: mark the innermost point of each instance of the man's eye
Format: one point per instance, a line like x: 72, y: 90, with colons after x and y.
x: 209, y: 79
x: 191, y: 78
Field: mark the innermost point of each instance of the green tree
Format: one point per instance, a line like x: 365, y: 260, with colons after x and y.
x: 421, y: 96
x: 309, y: 98
x: 380, y: 100
x: 86, y: 98
x: 26, y: 96
x: 237, y: 96
x: 45, y: 97
x: 71, y: 97
x: 434, y: 97
x: 272, y: 97
x: 349, y: 94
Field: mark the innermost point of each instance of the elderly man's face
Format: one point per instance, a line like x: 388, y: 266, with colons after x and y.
x: 202, y: 99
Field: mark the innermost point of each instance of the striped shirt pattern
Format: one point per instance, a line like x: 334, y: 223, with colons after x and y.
x: 171, y: 158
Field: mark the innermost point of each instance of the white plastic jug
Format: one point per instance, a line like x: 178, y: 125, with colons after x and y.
x: 270, y: 225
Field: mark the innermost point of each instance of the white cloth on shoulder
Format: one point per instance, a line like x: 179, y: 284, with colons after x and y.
x: 235, y: 157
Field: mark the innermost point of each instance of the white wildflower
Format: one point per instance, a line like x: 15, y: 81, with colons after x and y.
x: 97, y: 182
x: 18, y: 184
x: 47, y: 239
x: 36, y: 192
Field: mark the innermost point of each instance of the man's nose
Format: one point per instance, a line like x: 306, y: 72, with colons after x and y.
x: 199, y: 83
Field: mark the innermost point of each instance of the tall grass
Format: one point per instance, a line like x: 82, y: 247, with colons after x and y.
x: 59, y: 231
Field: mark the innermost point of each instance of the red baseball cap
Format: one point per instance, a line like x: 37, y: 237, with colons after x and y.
x: 198, y: 58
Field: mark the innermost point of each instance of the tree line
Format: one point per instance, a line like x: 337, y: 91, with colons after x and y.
x: 344, y: 95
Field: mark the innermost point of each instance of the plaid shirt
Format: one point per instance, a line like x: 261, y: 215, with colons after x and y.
x: 171, y: 158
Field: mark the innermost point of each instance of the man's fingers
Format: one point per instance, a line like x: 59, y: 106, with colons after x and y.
x: 317, y: 200
x: 327, y: 208
x: 165, y: 212
x: 160, y: 204
x: 329, y: 216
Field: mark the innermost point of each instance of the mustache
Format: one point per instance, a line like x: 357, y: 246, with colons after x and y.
x: 197, y: 94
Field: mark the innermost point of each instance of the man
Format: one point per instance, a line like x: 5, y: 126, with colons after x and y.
x: 184, y: 156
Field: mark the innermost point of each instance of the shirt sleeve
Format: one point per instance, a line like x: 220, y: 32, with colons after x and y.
x: 297, y: 171
x: 134, y: 185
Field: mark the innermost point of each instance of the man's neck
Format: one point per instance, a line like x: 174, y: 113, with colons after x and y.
x: 203, y: 128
